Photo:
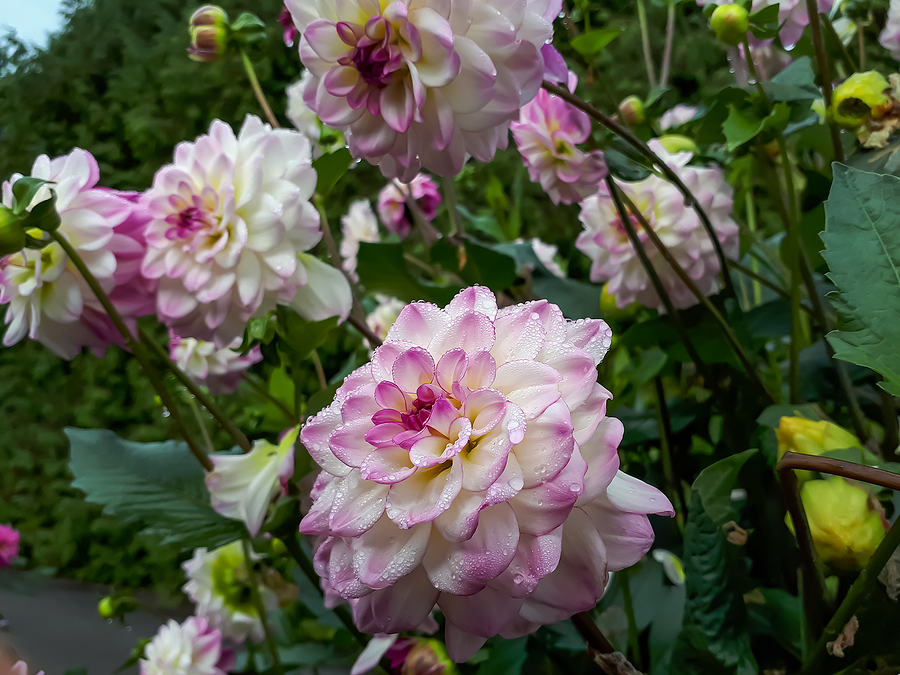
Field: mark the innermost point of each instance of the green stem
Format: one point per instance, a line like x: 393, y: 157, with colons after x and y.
x: 690, y: 201
x: 136, y: 348
x: 670, y: 39
x: 845, y: 53
x: 260, y: 96
x: 645, y: 43
x: 760, y: 280
x: 192, y: 402
x: 320, y: 372
x: 664, y: 424
x: 205, y: 399
x: 456, y: 224
x: 261, y: 390
x: 751, y: 66
x: 751, y: 224
x: 633, y: 643
x: 261, y: 608
x: 815, y: 26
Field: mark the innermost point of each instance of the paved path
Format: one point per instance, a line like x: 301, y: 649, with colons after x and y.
x: 54, y: 625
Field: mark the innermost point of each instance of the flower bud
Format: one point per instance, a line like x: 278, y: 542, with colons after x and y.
x: 107, y: 608
x: 209, y: 34
x: 632, y: 111
x: 12, y: 234
x: 112, y: 607
x: 845, y: 521
x: 674, y: 143
x: 730, y: 23
x: 428, y: 657
x: 859, y: 98
x: 797, y: 434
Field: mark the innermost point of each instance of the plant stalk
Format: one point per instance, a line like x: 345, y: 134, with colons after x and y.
x: 771, y: 285
x: 265, y: 394
x: 645, y: 43
x: 666, y: 442
x: 634, y: 645
x: 670, y: 38
x: 260, y: 96
x: 261, y: 608
x: 815, y: 26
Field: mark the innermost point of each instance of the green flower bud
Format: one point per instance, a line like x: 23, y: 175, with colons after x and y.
x: 428, y: 657
x: 730, y: 23
x: 859, y: 98
x: 209, y: 34
x: 797, y: 434
x: 845, y: 521
x: 632, y: 111
x: 674, y: 143
x: 12, y: 234
x: 107, y: 608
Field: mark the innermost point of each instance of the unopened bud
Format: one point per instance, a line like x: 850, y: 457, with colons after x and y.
x: 209, y: 34
x: 798, y: 434
x: 107, y: 608
x: 12, y: 234
x: 859, y: 98
x: 116, y: 608
x: 428, y: 657
x: 632, y: 111
x: 674, y: 143
x: 730, y: 23
x: 845, y: 521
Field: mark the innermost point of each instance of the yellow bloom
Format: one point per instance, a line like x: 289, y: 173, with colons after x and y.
x: 861, y: 97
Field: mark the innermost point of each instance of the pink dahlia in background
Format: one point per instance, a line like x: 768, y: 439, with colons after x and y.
x: 392, y: 207
x: 191, y: 648
x: 358, y: 224
x: 548, y: 133
x: 424, y: 83
x: 221, y: 370
x: 678, y: 116
x: 290, y: 30
x: 304, y: 120
x: 230, y: 217
x: 471, y: 466
x: 47, y: 297
x: 614, y: 260
x: 890, y: 36
x: 9, y: 544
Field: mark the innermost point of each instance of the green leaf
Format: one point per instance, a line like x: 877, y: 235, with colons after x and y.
x: 505, y: 657
x: 764, y: 23
x: 483, y: 265
x: 590, y: 44
x: 486, y: 224
x: 862, y: 249
x: 715, y: 483
x: 771, y: 416
x: 797, y: 82
x: 24, y: 192
x: 382, y: 269
x: 158, y: 484
x: 882, y: 160
x: 743, y: 124
x: 779, y: 615
x: 301, y: 337
x: 330, y: 169
x: 43, y: 216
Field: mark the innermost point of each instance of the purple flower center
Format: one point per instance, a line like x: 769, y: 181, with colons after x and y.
x: 374, y: 56
x: 187, y: 223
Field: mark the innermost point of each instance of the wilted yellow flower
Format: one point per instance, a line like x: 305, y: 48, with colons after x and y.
x: 845, y: 521
x: 860, y: 98
x: 798, y: 434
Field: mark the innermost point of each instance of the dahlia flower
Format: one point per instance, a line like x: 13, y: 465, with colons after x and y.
x: 303, y: 119
x: 471, y: 465
x: 221, y: 370
x: 191, y: 648
x: 384, y: 315
x: 229, y: 218
x: 678, y: 226
x: 890, y: 36
x: 48, y: 299
x: 218, y: 584
x: 546, y: 254
x: 9, y: 545
x: 393, y: 209
x: 678, y: 116
x: 287, y: 23
x: 547, y: 134
x: 243, y: 485
x: 358, y: 224
x: 422, y: 84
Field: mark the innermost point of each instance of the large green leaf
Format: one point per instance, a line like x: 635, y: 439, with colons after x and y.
x: 590, y: 44
x: 382, y: 269
x: 330, y: 169
x: 158, y: 484
x: 797, y: 82
x: 715, y: 483
x: 862, y: 250
x: 480, y: 264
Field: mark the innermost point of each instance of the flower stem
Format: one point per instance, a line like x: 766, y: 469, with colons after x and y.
x: 670, y: 38
x: 845, y: 53
x: 633, y: 643
x: 664, y: 424
x: 452, y: 211
x: 815, y: 26
x: 588, y: 630
x: 136, y: 348
x: 260, y: 96
x: 645, y: 43
x: 320, y: 372
x: 192, y: 403
x: 205, y: 400
x: 264, y: 393
x: 761, y: 280
x: 690, y: 201
x: 261, y: 608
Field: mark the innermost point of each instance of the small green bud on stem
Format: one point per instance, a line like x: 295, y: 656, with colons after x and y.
x: 730, y: 23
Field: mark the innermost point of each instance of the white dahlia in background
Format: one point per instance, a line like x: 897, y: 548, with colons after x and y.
x: 384, y: 315
x: 47, y: 298
x: 890, y: 36
x: 678, y: 116
x: 471, y: 466
x: 546, y: 254
x: 393, y: 209
x: 221, y: 370
x: 191, y: 648
x: 303, y: 119
x: 243, y: 485
x: 230, y: 217
x: 547, y: 134
x: 604, y: 240
x: 358, y: 224
x: 218, y: 584
x: 422, y: 83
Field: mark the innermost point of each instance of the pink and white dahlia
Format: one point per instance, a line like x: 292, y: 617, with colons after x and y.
x: 358, y: 224
x: 548, y: 133
x: 890, y: 36
x: 678, y: 226
x: 422, y: 83
x: 221, y: 370
x: 191, y: 648
x: 471, y: 466
x: 9, y: 545
x: 48, y: 299
x: 229, y: 219
x: 393, y: 209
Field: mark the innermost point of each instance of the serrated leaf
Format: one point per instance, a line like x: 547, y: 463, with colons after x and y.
x: 715, y: 483
x: 862, y: 250
x: 382, y: 269
x: 157, y: 484
x: 330, y: 169
x: 590, y: 44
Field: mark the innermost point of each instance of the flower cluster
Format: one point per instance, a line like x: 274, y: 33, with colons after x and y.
x: 471, y: 466
x: 222, y: 370
x: 605, y: 241
x: 191, y: 648
x: 426, y: 83
x: 395, y: 212
x: 548, y: 133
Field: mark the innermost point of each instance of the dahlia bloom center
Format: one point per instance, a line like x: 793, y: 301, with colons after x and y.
x: 376, y: 53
